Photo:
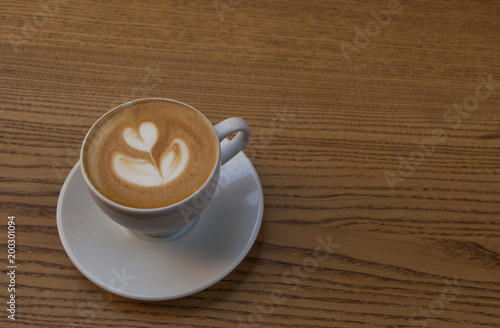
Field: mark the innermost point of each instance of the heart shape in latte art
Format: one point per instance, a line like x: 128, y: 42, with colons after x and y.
x: 143, y: 172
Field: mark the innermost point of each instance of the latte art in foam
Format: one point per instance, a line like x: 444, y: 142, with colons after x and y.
x: 150, y: 154
x: 148, y: 173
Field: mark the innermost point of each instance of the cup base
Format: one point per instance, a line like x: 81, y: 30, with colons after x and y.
x: 171, y: 235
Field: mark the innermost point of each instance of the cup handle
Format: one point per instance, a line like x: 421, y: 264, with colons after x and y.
x: 234, y: 146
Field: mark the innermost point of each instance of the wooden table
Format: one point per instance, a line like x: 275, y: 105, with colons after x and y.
x: 376, y: 136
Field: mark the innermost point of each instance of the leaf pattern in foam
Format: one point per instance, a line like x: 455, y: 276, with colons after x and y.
x: 174, y: 161
x: 137, y: 171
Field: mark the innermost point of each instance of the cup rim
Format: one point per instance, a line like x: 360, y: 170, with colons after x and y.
x: 110, y: 203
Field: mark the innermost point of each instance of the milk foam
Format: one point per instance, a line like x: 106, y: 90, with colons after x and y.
x: 148, y: 173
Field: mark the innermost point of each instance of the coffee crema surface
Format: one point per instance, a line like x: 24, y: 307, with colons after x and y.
x: 150, y: 154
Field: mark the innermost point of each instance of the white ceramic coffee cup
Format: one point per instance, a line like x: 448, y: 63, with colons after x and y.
x: 170, y: 219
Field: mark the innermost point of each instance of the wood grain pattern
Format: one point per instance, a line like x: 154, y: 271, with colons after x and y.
x: 391, y: 153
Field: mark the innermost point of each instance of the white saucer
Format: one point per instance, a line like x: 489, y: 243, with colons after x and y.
x: 141, y: 267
